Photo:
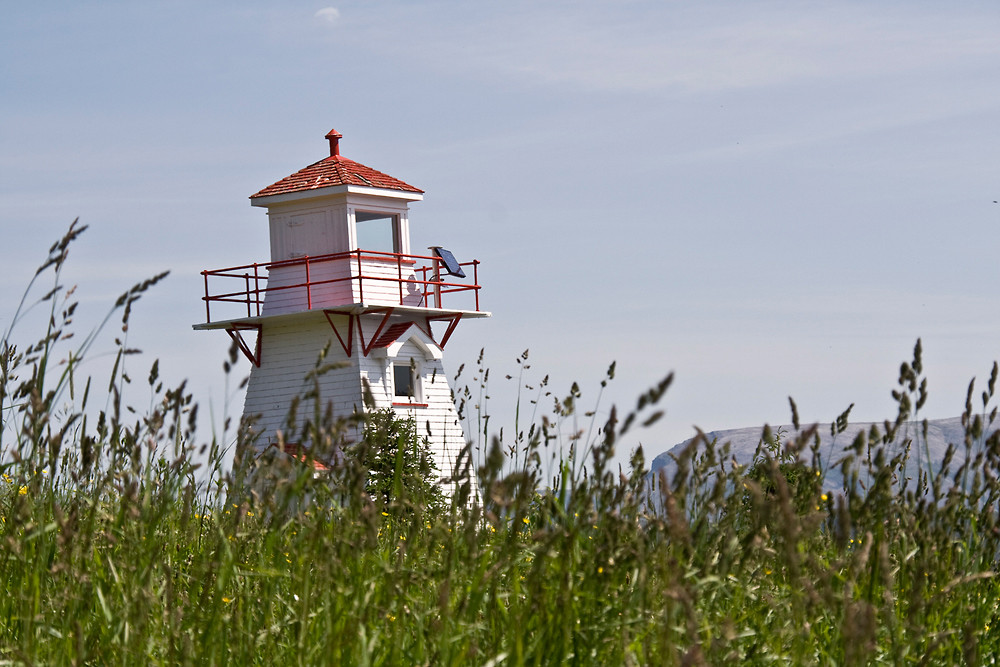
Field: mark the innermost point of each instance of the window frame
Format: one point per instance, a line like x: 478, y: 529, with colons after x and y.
x: 415, y: 398
x: 394, y: 216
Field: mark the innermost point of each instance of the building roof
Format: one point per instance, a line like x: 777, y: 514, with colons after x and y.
x: 300, y: 454
x: 333, y: 171
x: 392, y: 334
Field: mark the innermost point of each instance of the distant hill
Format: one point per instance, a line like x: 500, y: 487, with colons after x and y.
x: 744, y: 443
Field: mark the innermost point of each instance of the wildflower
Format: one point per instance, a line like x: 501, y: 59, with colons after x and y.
x: 385, y: 514
x: 402, y: 537
x: 227, y: 600
x: 526, y: 521
x: 824, y: 497
x: 23, y: 491
x: 600, y: 570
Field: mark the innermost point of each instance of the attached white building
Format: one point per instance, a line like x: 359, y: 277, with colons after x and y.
x: 342, y: 276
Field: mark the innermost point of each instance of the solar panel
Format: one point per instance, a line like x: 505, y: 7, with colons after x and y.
x: 451, y: 264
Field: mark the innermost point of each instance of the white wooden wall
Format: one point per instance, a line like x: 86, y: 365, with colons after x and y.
x: 372, y: 290
x: 289, y: 351
x: 290, y: 348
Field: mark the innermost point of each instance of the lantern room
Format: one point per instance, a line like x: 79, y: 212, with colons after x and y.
x: 340, y: 235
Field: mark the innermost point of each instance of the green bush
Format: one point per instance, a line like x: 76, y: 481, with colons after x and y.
x: 401, y: 472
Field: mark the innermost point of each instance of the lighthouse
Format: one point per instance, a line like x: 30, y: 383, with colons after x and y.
x: 342, y: 278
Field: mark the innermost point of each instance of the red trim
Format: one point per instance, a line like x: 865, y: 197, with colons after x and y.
x: 403, y: 259
x: 366, y: 348
x: 409, y: 405
x: 234, y: 331
x: 452, y: 323
x: 350, y: 330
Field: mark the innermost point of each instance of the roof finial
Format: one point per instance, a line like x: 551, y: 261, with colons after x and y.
x: 334, y: 138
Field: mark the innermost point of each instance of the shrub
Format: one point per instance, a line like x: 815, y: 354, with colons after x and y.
x: 401, y: 471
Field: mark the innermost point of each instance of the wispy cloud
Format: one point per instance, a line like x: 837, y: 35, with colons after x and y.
x: 329, y: 15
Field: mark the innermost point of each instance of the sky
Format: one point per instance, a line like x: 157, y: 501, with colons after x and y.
x: 769, y: 199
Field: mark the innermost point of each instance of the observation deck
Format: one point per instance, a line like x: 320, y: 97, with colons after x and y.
x: 354, y: 282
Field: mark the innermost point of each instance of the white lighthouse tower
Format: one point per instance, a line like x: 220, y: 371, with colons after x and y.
x: 343, y: 277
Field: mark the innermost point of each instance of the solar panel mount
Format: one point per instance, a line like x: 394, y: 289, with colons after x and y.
x: 451, y: 265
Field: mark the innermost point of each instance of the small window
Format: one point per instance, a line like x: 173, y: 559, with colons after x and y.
x: 378, y: 232
x: 404, y: 381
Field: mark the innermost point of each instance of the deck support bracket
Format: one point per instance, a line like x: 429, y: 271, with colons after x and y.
x: 235, y: 332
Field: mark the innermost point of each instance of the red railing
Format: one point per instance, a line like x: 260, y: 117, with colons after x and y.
x: 429, y: 278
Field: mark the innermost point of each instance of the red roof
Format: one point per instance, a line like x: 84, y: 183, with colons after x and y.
x: 333, y: 171
x: 392, y: 334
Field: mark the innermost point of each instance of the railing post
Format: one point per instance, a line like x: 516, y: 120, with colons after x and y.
x: 208, y: 309
x: 246, y: 282
x: 475, y: 280
x: 361, y: 282
x: 309, y: 300
x: 399, y: 274
x: 437, y: 281
x: 256, y: 288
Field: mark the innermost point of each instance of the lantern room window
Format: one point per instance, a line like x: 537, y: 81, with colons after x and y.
x: 378, y: 232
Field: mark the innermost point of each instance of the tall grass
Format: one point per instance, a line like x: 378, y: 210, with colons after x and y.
x: 112, y: 551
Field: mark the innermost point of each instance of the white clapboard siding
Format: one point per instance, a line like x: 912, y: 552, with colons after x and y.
x: 387, y: 282
x: 436, y: 417
x: 381, y: 283
x: 290, y: 350
x: 282, y: 297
